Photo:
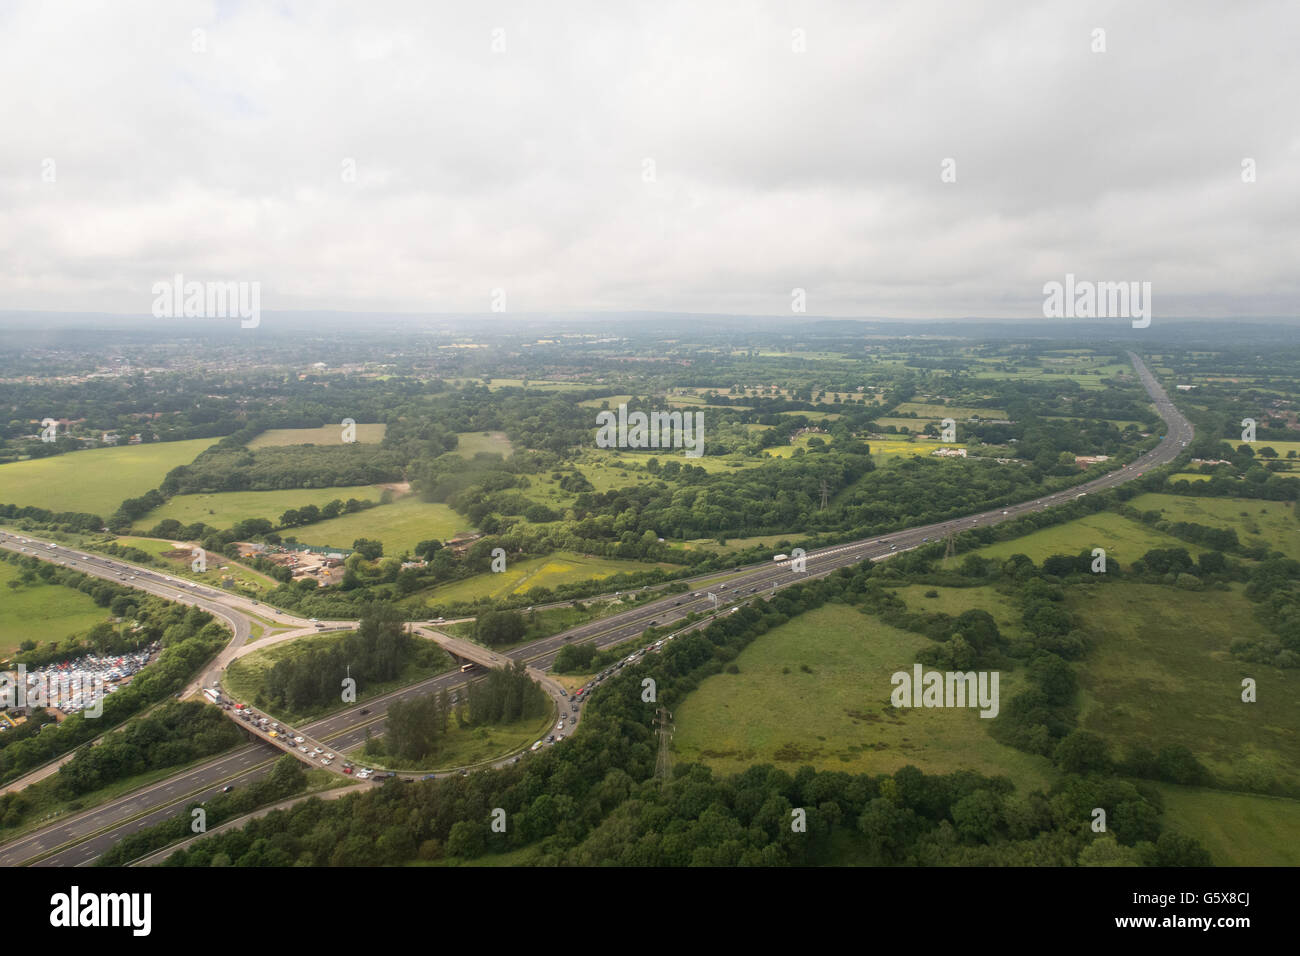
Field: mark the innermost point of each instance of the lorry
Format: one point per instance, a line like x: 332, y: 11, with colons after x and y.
x: 780, y: 557
x: 212, y: 694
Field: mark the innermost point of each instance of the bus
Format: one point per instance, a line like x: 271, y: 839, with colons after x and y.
x: 467, y: 667
x: 212, y: 694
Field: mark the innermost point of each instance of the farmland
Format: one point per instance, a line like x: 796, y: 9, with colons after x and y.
x: 96, y: 480
x: 224, y: 509
x: 836, y: 714
x: 1125, y: 540
x: 325, y: 435
x: 400, y: 526
x: 41, y: 612
x: 1274, y: 524
x: 1162, y: 674
x: 520, y: 577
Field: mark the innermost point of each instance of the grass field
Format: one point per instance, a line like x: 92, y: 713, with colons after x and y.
x: 1124, y: 540
x: 1274, y: 524
x: 955, y: 601
x: 1238, y: 829
x: 325, y: 435
x: 1281, y: 447
x: 467, y: 746
x: 520, y: 577
x: 611, y: 402
x: 838, y: 717
x: 471, y: 443
x: 225, y: 509
x: 882, y: 449
x: 41, y: 612
x: 95, y: 481
x: 500, y: 383
x: 1162, y: 674
x: 926, y: 412
x: 1088, y: 374
x: 400, y: 526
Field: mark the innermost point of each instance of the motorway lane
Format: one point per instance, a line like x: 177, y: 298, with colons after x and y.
x: 348, y: 728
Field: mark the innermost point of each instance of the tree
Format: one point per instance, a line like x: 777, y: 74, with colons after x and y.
x: 1105, y: 850
x: 368, y: 549
x: 426, y: 549
x: 499, y: 627
x: 1082, y: 752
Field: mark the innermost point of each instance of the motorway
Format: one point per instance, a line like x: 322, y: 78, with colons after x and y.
x: 79, y: 839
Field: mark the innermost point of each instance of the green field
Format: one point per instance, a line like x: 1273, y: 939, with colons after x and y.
x: 95, y: 481
x: 839, y: 716
x: 1238, y: 829
x: 1124, y: 540
x: 400, y: 526
x: 325, y: 435
x: 926, y: 412
x: 42, y: 612
x: 1274, y: 524
x: 520, y: 577
x: 956, y: 601
x: 1162, y: 674
x: 470, y: 444
x: 224, y: 509
x: 1281, y: 447
x: 467, y: 746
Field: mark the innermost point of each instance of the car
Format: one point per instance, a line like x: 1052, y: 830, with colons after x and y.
x: 364, y: 711
x: 318, y: 750
x: 273, y: 733
x: 302, y: 749
x: 550, y: 739
x: 563, y: 692
x: 535, y: 746
x: 227, y: 789
x: 300, y: 740
x: 328, y: 755
x: 1005, y: 512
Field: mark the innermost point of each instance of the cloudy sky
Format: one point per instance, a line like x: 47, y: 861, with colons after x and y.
x: 706, y: 157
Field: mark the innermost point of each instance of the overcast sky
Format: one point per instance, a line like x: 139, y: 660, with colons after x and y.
x: 223, y: 155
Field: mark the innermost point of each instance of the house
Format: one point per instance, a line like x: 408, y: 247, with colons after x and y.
x: 949, y: 453
x: 1083, y: 461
